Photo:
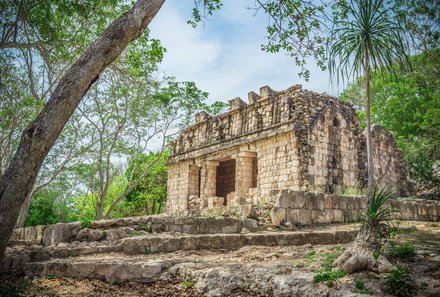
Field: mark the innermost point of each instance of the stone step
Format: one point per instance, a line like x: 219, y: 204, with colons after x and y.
x: 168, y: 243
x: 49, y: 235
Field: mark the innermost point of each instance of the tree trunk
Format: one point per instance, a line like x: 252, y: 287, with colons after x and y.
x: 41, y: 134
x: 24, y: 210
x: 361, y: 254
x: 147, y: 211
x: 153, y: 207
x: 370, y: 165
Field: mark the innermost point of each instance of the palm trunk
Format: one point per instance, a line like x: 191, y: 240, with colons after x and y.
x: 39, y: 137
x: 370, y: 166
x: 361, y: 254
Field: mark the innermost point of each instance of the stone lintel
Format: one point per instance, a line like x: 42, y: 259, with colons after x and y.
x: 250, y: 147
x: 266, y: 91
x: 202, y: 116
x: 212, y: 163
x: 253, y: 97
x: 236, y: 103
x: 247, y: 154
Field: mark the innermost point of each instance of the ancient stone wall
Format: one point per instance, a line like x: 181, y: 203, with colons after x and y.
x: 389, y: 165
x: 307, y: 208
x: 179, y: 183
x: 278, y: 163
x: 334, y: 146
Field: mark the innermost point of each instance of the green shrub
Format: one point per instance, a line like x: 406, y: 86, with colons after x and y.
x: 187, y: 284
x: 405, y: 251
x: 86, y: 222
x: 13, y: 290
x: 360, y: 285
x: 398, y: 283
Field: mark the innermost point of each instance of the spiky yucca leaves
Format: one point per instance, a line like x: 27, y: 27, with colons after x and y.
x: 368, y: 36
x: 378, y: 213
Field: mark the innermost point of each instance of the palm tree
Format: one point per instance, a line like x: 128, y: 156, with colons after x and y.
x: 367, y: 39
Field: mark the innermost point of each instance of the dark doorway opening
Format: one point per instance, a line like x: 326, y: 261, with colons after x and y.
x: 225, y: 182
x: 254, y: 172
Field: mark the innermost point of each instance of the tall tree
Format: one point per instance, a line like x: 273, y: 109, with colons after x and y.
x: 39, y: 137
x: 366, y: 39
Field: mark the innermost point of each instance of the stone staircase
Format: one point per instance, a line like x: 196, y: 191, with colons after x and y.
x: 142, y: 249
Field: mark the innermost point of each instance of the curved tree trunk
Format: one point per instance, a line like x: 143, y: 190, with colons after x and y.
x: 41, y: 134
x: 363, y: 253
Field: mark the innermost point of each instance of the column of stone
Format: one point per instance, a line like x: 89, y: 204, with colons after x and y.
x: 210, y: 176
x: 243, y: 174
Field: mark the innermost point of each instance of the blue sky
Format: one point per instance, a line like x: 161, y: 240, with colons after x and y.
x: 224, y: 56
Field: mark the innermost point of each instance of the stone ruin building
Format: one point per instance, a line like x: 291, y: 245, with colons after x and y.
x: 293, y: 139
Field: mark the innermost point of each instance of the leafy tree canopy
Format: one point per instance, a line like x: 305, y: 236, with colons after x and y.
x: 409, y: 107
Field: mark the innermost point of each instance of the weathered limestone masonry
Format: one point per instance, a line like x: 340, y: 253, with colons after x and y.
x: 293, y: 139
x: 301, y: 208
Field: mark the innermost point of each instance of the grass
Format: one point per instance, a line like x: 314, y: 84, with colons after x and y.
x: 355, y: 190
x: 362, y: 289
x: 325, y: 274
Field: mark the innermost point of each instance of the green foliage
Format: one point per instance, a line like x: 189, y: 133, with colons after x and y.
x: 368, y: 36
x: 378, y: 213
x: 187, y: 284
x: 399, y: 283
x: 360, y: 285
x: 409, y: 107
x: 43, y: 209
x: 86, y: 222
x: 405, y: 251
x: 150, y: 194
x: 13, y: 290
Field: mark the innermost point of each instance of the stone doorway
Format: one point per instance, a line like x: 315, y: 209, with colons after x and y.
x: 225, y: 181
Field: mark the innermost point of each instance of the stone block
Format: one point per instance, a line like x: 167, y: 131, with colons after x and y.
x: 251, y: 225
x: 298, y: 199
x: 310, y: 201
x: 338, y: 216
x: 328, y: 202
x: 278, y: 215
x: 292, y: 216
x: 236, y: 103
x: 54, y: 234
x: 253, y: 97
x: 202, y: 116
x: 266, y: 91
x: 305, y: 217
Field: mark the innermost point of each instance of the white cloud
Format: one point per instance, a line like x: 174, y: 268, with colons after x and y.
x: 224, y: 58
